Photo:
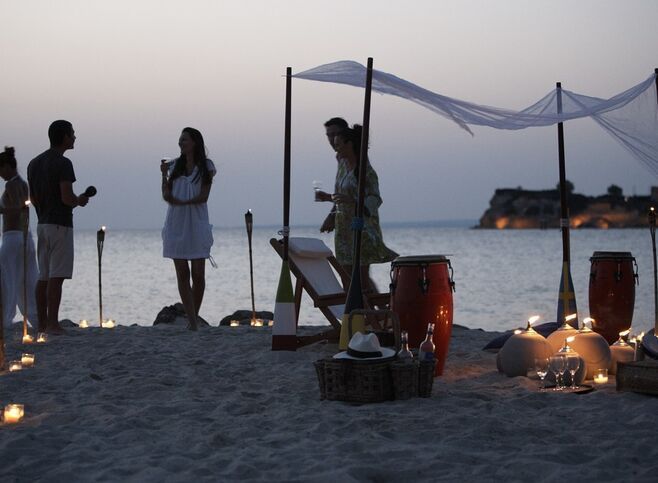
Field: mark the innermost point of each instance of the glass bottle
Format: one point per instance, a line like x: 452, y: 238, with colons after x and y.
x: 426, y: 349
x: 405, y: 355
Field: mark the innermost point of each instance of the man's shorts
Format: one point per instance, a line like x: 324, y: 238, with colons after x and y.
x: 55, y: 251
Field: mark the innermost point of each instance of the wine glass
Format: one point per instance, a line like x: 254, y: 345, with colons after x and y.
x: 541, y: 368
x: 573, y: 364
x: 557, y: 366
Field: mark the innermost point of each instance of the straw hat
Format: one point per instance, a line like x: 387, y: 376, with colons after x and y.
x: 365, y: 347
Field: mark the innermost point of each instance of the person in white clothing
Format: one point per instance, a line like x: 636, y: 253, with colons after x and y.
x: 12, y: 207
x: 187, y: 233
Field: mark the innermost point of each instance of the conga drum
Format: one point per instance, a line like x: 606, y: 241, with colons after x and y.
x: 421, y: 292
x: 612, y: 280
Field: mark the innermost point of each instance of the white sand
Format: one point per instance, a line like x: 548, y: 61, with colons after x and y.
x: 161, y: 404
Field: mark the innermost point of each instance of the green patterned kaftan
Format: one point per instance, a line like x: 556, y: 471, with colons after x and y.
x: 373, y: 249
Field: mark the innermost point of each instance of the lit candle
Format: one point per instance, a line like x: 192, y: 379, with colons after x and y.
x: 109, y: 324
x: 15, y: 366
x: 28, y: 339
x: 257, y: 322
x: 235, y: 323
x: 42, y: 338
x: 84, y: 324
x: 601, y: 376
x: 27, y: 360
x: 13, y: 413
x: 270, y: 323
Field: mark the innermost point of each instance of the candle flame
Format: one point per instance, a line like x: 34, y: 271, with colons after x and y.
x: 517, y: 331
x: 28, y: 202
x: 533, y: 319
x: 103, y: 227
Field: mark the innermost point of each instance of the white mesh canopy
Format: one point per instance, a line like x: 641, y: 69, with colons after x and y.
x: 630, y: 117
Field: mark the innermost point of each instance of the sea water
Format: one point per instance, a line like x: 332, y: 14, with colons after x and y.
x: 502, y: 276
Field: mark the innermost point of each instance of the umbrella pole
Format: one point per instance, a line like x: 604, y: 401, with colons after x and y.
x: 355, y: 292
x: 567, y: 295
x: 284, y: 330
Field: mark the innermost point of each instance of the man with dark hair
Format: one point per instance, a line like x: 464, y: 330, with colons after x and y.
x: 332, y: 127
x: 51, y: 177
x: 14, y: 218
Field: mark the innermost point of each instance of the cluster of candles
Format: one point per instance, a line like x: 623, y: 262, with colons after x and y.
x: 27, y: 360
x: 42, y: 338
x: 597, y: 357
x: 107, y: 324
x: 253, y: 323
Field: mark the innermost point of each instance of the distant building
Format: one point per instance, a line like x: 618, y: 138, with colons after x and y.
x: 519, y: 208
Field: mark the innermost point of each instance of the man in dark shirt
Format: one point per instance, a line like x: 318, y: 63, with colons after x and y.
x: 51, y: 177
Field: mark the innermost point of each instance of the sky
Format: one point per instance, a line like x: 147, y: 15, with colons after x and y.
x: 130, y: 74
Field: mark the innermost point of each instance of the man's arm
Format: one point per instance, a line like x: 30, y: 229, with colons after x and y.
x: 69, y: 198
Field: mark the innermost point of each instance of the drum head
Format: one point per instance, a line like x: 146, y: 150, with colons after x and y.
x: 419, y: 260
x: 612, y: 256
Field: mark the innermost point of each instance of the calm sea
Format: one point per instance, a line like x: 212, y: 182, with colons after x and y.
x: 502, y: 277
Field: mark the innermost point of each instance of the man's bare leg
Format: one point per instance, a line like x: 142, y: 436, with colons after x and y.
x: 40, y: 293
x: 54, y: 295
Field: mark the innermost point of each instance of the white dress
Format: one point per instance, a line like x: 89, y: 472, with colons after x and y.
x: 187, y: 233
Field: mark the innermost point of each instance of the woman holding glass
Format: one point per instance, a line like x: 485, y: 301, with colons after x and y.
x: 373, y: 250
x: 187, y: 233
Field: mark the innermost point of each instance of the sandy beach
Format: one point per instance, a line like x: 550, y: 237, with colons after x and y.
x: 162, y: 404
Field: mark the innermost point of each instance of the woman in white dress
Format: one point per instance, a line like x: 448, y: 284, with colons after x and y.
x: 187, y: 233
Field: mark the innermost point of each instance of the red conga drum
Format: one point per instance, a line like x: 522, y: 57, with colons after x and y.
x: 421, y: 292
x: 612, y: 280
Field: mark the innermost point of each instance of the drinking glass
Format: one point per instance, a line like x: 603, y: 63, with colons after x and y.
x: 317, y: 186
x: 557, y: 366
x: 541, y: 368
x: 573, y: 364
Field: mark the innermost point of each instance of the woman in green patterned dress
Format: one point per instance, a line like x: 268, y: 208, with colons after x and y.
x: 373, y: 250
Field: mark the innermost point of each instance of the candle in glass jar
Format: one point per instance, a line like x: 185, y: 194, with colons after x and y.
x: 15, y: 366
x: 13, y: 413
x: 601, y: 376
x: 28, y: 339
x: 84, y: 324
x: 42, y: 338
x: 27, y: 360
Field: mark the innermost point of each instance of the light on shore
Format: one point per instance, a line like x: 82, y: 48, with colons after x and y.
x: 13, y: 413
x: 27, y: 360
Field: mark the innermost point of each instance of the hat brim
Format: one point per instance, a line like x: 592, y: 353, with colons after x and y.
x: 386, y: 354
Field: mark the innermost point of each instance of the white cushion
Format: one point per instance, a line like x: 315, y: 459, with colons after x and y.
x: 309, y: 247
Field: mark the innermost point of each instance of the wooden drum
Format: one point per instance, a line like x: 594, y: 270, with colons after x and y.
x: 612, y: 280
x: 421, y: 292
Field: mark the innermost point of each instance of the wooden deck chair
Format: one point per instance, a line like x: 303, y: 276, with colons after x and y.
x: 314, y: 266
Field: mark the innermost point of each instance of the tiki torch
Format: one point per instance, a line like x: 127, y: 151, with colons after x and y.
x: 249, y: 222
x: 100, y: 240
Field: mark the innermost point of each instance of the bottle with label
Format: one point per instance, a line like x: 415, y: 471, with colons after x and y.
x: 426, y: 349
x: 405, y: 355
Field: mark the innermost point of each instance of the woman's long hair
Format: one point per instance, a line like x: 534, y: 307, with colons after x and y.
x: 200, y: 159
x: 353, y: 135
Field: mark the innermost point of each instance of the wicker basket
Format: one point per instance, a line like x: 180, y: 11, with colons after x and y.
x: 379, y: 380
x: 641, y: 376
x: 355, y: 381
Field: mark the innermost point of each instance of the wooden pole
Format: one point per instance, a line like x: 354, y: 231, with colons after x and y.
x: 652, y: 225
x: 26, y: 227
x: 567, y: 296
x: 355, y: 292
x: 286, y: 164
x: 2, y: 334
